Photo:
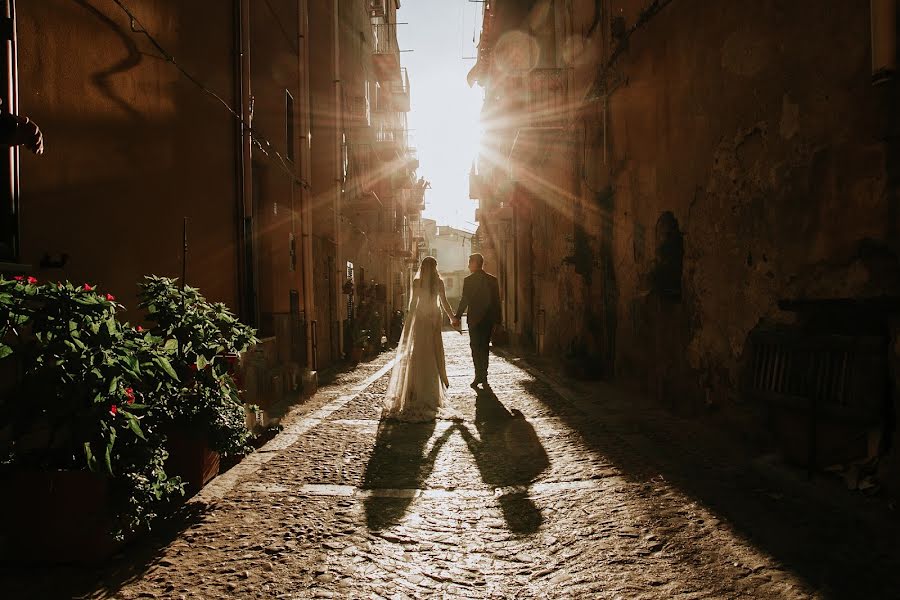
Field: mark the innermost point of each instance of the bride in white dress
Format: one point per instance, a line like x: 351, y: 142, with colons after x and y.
x: 418, y: 385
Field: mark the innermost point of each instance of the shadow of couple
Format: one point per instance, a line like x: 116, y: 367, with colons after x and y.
x: 505, y: 446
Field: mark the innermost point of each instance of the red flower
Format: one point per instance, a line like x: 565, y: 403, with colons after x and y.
x: 139, y: 329
x: 18, y: 278
x: 129, y: 392
x: 110, y: 297
x: 113, y: 410
x: 192, y: 367
x: 32, y: 280
x: 87, y: 287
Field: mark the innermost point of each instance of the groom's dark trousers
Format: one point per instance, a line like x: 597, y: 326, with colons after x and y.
x: 481, y: 301
x: 480, y: 342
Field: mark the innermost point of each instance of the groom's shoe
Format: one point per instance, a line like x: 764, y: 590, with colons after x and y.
x: 474, y: 384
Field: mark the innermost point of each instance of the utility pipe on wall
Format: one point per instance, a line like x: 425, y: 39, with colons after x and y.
x: 339, y: 274
x: 883, y: 15
x: 309, y: 298
x: 9, y: 167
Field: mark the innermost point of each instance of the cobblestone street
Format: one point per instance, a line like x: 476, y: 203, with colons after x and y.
x: 537, y: 491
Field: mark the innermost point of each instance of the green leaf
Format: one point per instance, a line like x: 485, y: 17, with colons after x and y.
x: 111, y: 326
x: 171, y: 344
x: 201, y: 362
x: 109, y: 446
x: 166, y: 366
x: 89, y: 456
x: 5, y: 350
x: 113, y: 385
x: 135, y: 425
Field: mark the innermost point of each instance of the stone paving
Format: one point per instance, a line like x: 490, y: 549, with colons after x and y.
x: 534, y: 491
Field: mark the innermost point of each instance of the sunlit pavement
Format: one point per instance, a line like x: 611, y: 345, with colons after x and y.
x: 532, y: 491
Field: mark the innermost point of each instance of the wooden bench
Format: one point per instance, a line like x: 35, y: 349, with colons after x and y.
x: 825, y: 394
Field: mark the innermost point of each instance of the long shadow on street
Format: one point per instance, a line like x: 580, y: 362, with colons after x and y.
x: 843, y: 550
x: 506, y: 449
x: 509, y: 457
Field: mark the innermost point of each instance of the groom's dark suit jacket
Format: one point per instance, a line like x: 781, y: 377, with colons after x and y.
x: 481, y: 295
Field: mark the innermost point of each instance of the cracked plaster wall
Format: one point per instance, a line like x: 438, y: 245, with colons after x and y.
x: 766, y: 150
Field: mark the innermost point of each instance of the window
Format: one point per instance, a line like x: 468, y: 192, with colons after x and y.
x: 289, y: 125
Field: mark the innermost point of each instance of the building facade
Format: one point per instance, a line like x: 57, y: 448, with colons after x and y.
x: 225, y: 143
x: 664, y: 182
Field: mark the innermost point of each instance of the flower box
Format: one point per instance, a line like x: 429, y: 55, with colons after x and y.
x: 56, y: 516
x: 191, y: 458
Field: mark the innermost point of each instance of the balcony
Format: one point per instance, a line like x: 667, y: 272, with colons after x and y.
x: 417, y: 196
x: 547, y: 97
x: 360, y: 112
x: 367, y: 202
x: 386, y: 54
x: 377, y: 8
x: 400, y: 91
x: 412, y: 159
x: 389, y: 142
x: 418, y: 233
x: 476, y: 185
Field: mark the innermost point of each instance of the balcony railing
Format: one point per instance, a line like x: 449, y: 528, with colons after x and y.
x: 377, y: 8
x: 547, y: 94
x: 384, y: 38
x: 360, y: 111
x: 475, y: 186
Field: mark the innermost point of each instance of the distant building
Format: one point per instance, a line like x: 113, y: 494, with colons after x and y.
x: 452, y: 248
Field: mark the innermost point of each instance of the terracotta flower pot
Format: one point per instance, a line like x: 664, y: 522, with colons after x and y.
x: 191, y: 458
x: 356, y: 354
x: 56, y: 516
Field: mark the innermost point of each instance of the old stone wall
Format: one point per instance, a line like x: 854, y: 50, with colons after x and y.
x: 749, y: 134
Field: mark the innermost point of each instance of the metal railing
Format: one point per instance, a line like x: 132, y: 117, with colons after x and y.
x: 547, y: 97
x: 377, y: 8
x: 384, y: 38
x: 401, y: 86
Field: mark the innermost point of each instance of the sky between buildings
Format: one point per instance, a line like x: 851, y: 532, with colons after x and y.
x: 444, y: 120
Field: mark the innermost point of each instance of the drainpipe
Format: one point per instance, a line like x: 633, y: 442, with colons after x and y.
x: 9, y: 168
x: 338, y: 161
x: 238, y: 161
x: 247, y: 245
x: 883, y: 16
x: 309, y: 298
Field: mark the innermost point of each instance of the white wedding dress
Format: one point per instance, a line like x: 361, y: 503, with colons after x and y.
x: 418, y: 385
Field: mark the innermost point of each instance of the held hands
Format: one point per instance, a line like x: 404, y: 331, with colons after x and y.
x: 28, y: 134
x: 457, y: 324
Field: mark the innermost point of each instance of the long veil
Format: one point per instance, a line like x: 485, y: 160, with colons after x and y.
x: 400, y: 396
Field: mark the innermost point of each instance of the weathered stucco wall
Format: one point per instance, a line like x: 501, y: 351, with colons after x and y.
x: 757, y: 127
x: 131, y: 146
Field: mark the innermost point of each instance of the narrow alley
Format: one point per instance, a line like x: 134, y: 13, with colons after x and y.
x: 535, y: 491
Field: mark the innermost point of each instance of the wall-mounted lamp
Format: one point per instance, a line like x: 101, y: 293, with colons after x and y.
x: 883, y: 16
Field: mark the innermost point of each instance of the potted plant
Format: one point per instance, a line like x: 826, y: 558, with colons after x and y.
x: 206, y: 419
x: 360, y: 339
x: 79, y: 424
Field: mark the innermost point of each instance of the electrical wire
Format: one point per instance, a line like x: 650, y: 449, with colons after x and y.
x: 292, y: 42
x: 261, y: 142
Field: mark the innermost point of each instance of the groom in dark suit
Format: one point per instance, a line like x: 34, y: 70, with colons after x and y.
x: 481, y: 296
